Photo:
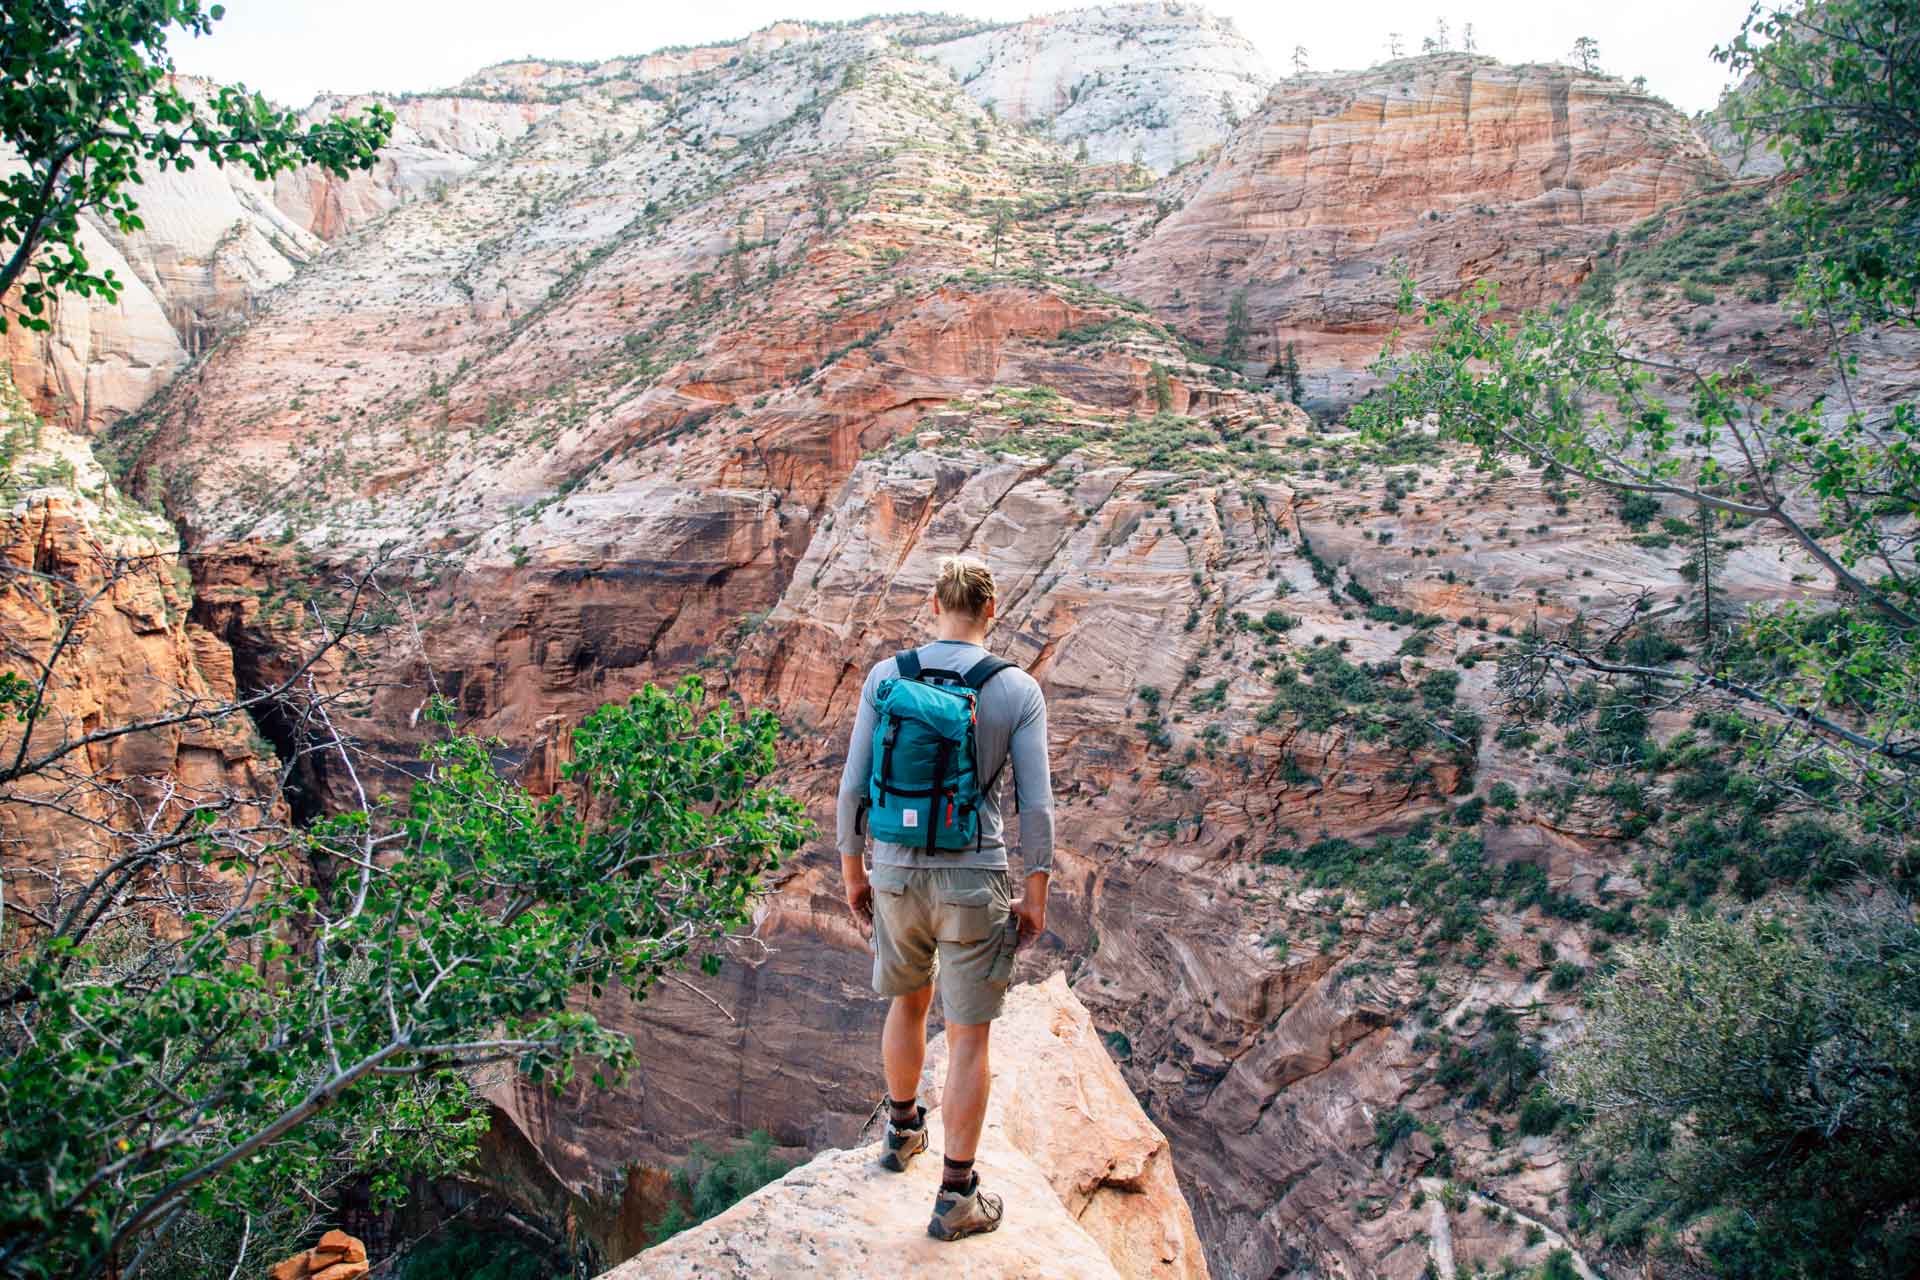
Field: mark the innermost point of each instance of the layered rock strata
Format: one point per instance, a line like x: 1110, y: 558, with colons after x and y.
x: 95, y: 620
x: 1452, y: 168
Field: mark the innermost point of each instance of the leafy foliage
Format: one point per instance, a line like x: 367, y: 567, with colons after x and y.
x: 1742, y: 1063
x: 1834, y: 88
x: 1750, y: 1084
x: 712, y: 1182
x: 1566, y: 391
x: 1233, y: 347
x: 468, y: 1254
x: 87, y: 100
x: 303, y: 1031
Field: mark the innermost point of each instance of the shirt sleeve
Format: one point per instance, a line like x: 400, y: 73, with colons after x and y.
x: 1033, y: 780
x: 853, y: 777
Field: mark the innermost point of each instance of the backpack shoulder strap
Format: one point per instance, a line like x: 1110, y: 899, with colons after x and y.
x: 984, y: 670
x: 908, y: 664
x: 976, y: 678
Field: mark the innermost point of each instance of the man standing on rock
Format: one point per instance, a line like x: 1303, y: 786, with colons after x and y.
x: 939, y: 896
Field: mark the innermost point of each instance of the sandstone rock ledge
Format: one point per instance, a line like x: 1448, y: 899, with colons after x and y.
x: 1088, y: 1180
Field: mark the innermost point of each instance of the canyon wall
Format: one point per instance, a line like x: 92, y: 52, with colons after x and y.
x: 1156, y: 84
x: 1453, y: 168
x: 95, y: 617
x: 701, y: 361
x: 213, y: 241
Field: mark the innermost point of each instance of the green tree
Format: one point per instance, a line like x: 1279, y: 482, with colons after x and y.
x: 1558, y: 1266
x: 1233, y: 347
x: 1000, y: 222
x: 711, y: 1182
x: 1288, y: 373
x: 1739, y: 1062
x: 1834, y: 88
x: 310, y: 1010
x: 472, y: 1254
x: 1162, y: 388
x: 1586, y: 52
x: 1702, y: 567
x: 1064, y: 176
x: 87, y: 100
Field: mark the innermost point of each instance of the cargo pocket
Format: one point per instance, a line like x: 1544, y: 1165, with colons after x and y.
x: 889, y: 879
x: 969, y: 910
x: 1002, y: 971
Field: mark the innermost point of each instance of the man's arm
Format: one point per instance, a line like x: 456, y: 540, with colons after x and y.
x: 1033, y: 783
x: 853, y: 792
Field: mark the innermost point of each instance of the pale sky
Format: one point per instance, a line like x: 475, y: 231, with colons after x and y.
x: 292, y: 49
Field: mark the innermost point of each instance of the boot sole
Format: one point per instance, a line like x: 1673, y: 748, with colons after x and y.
x: 940, y: 1231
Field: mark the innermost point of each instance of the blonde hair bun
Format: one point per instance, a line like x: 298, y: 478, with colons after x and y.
x: 965, y: 585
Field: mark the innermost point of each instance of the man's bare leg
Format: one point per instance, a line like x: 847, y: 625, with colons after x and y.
x: 903, y: 1043
x: 964, y: 1105
x: 963, y: 1208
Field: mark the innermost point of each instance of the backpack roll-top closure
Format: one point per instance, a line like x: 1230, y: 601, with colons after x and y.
x: 907, y: 663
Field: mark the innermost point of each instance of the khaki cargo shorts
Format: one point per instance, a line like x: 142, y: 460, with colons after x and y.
x: 953, y: 920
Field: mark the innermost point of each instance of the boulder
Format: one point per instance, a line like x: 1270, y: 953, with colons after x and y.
x: 338, y: 1256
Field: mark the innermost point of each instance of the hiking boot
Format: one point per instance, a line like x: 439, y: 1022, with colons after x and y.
x: 904, y: 1144
x: 958, y: 1214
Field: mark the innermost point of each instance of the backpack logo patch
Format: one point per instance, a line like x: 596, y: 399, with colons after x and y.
x: 909, y: 817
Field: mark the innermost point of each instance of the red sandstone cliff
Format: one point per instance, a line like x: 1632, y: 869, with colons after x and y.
x: 94, y: 610
x: 704, y: 359
x: 1453, y: 167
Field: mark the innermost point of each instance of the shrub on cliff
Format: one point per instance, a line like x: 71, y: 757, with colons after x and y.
x: 459, y: 1252
x: 711, y: 1182
x: 1749, y: 1064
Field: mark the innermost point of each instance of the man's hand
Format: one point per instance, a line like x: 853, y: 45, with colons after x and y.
x: 853, y: 873
x: 1030, y: 908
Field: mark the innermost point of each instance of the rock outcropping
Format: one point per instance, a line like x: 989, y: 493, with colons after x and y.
x: 1087, y: 1179
x: 338, y: 1256
x: 1154, y: 83
x: 1452, y: 167
x: 95, y: 607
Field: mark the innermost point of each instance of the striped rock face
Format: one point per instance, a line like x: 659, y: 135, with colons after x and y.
x: 701, y: 360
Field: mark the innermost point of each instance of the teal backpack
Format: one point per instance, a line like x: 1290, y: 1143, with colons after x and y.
x: 923, y: 787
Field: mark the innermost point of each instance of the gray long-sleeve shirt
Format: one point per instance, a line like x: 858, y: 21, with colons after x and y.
x: 1012, y: 717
